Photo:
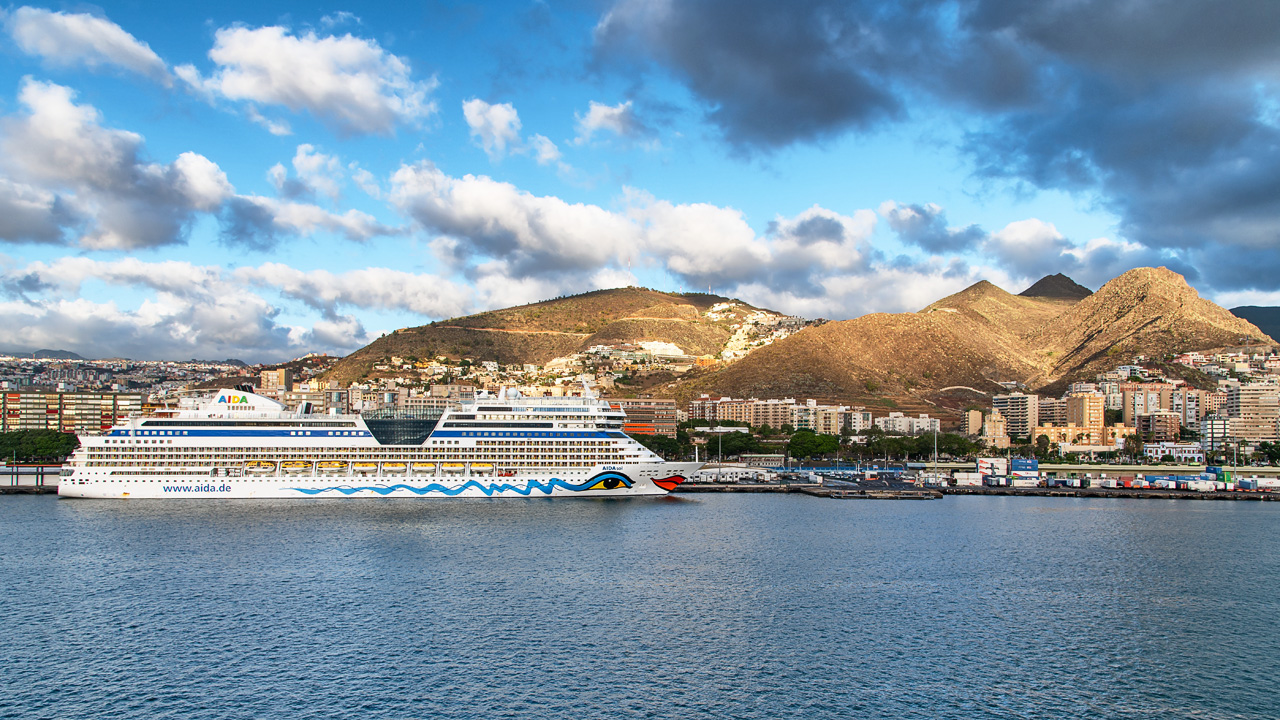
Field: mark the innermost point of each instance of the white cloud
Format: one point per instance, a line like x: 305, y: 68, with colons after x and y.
x: 367, y: 182
x: 279, y: 128
x: 61, y: 147
x: 497, y: 220
x: 341, y: 17
x: 67, y: 39
x: 495, y: 125
x: 544, y: 151
x: 821, y: 238
x: 619, y: 119
x: 493, y: 229
x: 319, y: 171
x: 368, y: 288
x: 60, y: 169
x: 351, y: 84
x: 207, y: 311
x: 1030, y: 248
x: 201, y: 181
x: 257, y: 221
x: 700, y: 242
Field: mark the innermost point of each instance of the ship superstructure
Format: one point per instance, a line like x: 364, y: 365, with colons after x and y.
x: 244, y: 445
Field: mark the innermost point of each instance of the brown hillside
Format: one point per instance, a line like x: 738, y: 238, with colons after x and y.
x: 591, y: 311
x: 1148, y: 311
x: 874, y: 357
x: 980, y: 335
x: 984, y: 302
x: 694, y: 338
x: 538, y: 332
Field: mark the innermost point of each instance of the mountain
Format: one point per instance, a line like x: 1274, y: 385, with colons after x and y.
x: 55, y: 355
x: 1266, y: 319
x: 538, y: 332
x: 1146, y: 311
x: 1057, y: 286
x: 971, y: 338
x: 979, y: 336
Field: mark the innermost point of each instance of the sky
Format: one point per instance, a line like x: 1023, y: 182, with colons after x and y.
x: 263, y: 180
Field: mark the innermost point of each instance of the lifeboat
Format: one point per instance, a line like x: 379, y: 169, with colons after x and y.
x: 365, y: 467
x: 295, y: 466
x: 482, y: 467
x: 258, y: 467
x: 394, y: 467
x: 452, y: 467
x: 331, y: 465
x: 424, y: 467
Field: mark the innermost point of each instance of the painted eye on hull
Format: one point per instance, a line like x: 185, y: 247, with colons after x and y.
x: 608, y: 481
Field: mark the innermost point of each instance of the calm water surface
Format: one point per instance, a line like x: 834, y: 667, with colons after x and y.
x: 713, y: 606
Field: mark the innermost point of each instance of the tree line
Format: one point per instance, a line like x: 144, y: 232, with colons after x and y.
x: 37, y: 445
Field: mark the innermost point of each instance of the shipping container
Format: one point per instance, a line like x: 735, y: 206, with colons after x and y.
x: 993, y: 466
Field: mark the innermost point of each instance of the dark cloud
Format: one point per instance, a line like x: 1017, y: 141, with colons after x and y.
x: 28, y: 214
x: 925, y: 226
x: 771, y: 73
x: 1163, y: 112
x: 22, y: 285
x: 248, y: 224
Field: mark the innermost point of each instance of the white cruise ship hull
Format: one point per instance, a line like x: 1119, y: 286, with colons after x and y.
x: 242, y: 445
x: 636, y: 480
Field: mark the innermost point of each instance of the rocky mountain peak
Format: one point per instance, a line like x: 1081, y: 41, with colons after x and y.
x: 1057, y: 286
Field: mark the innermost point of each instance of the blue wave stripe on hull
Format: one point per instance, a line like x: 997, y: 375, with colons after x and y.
x: 489, y: 489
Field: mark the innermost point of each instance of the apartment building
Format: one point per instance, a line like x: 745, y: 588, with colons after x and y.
x: 1021, y: 412
x: 71, y: 412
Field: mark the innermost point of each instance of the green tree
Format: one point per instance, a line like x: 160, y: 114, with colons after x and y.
x: 1133, y: 446
x: 37, y: 445
x: 668, y: 447
x: 807, y: 444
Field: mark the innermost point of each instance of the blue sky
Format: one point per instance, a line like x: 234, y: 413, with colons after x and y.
x: 261, y: 180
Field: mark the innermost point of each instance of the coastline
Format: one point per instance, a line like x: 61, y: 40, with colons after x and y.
x: 1137, y: 493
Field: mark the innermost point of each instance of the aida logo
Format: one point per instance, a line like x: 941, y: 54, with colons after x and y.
x: 233, y: 399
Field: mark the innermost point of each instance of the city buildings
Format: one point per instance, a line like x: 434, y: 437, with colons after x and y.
x: 71, y: 412
x: 898, y: 424
x: 1254, y: 410
x: 648, y: 416
x: 1021, y: 412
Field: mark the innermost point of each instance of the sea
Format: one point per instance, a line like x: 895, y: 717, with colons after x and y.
x: 689, y: 606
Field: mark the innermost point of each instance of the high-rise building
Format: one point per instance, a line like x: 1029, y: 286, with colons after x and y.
x: 275, y: 382
x: 647, y: 416
x: 1254, y: 410
x: 1021, y: 412
x: 1160, y: 426
x: 973, y: 422
x: 72, y: 412
x: 994, y: 430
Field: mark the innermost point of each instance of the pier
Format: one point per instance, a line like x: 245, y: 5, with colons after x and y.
x: 29, y: 479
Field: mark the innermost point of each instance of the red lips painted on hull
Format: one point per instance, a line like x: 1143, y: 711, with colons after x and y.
x: 669, y: 483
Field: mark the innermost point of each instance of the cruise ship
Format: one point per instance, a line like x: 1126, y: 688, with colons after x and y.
x: 242, y: 445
